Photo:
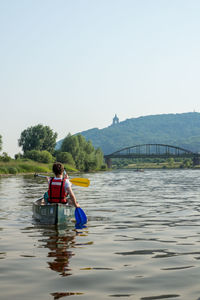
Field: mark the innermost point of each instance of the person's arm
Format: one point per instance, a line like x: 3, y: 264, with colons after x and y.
x: 48, y: 179
x: 72, y: 197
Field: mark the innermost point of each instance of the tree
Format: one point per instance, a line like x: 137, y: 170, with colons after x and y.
x: 5, y: 157
x: 40, y: 156
x: 38, y: 137
x: 18, y: 156
x: 65, y: 157
x: 171, y: 161
x: 83, y: 152
x: 187, y: 163
x: 70, y: 144
x: 0, y: 142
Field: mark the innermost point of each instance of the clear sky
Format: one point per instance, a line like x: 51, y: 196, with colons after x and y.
x: 73, y: 64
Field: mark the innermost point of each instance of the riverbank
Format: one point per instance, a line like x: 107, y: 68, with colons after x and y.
x: 152, y: 165
x: 28, y: 167
x: 14, y: 167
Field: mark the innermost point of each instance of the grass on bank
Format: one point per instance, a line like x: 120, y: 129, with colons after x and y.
x: 176, y: 165
x: 28, y: 166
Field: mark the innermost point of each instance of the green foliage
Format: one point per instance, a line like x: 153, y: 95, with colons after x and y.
x: 18, y: 156
x: 40, y: 156
x: 30, y: 167
x: 170, y: 161
x: 153, y: 163
x: 104, y: 167
x: 21, y: 166
x: 182, y: 130
x: 39, y: 138
x: 65, y: 157
x: 5, y: 157
x: 46, y: 157
x: 3, y: 170
x: 12, y: 170
x: 85, y: 156
x: 187, y: 163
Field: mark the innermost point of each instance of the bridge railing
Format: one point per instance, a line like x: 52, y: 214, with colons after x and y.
x: 151, y: 150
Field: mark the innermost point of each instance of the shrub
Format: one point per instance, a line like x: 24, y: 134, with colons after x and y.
x: 39, y: 156
x: 3, y: 170
x: 65, y: 157
x: 33, y: 154
x: 46, y: 157
x: 18, y: 156
x: 5, y: 157
x: 25, y: 167
x: 12, y: 170
x: 104, y: 167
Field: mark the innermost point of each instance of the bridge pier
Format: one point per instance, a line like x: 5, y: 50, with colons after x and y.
x: 196, y: 160
x: 109, y: 162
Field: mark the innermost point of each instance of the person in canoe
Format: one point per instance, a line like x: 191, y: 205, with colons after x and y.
x: 60, y: 187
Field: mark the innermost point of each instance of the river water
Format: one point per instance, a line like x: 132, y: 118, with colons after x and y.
x: 142, y: 240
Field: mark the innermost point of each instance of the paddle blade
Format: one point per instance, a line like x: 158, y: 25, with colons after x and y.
x: 80, y: 181
x: 80, y: 226
x: 80, y: 216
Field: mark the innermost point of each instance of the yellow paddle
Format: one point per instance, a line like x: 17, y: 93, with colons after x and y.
x: 77, y: 181
x: 80, y: 181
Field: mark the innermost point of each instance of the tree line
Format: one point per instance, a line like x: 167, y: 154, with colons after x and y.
x: 38, y: 143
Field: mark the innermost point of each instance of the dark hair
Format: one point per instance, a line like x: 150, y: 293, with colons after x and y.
x: 58, y: 168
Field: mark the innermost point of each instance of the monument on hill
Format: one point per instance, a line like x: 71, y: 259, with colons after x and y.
x: 115, y: 120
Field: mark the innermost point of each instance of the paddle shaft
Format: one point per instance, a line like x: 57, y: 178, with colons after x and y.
x: 77, y: 181
x: 38, y: 175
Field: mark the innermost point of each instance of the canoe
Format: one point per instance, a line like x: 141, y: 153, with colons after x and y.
x: 52, y: 214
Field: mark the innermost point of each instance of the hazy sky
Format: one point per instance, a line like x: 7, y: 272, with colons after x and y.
x: 73, y: 64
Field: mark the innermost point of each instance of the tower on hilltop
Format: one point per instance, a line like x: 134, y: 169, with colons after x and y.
x: 115, y: 120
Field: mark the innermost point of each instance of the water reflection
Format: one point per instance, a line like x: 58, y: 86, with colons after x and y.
x: 60, y: 243
x: 61, y: 295
x: 2, y: 255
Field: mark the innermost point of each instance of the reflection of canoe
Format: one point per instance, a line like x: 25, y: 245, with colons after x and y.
x: 55, y: 213
x: 139, y: 170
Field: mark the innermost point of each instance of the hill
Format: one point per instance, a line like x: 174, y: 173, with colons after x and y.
x: 181, y: 130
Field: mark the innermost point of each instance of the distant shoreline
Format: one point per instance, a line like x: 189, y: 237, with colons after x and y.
x: 20, y: 167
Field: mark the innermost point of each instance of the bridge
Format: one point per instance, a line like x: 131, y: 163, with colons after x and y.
x: 153, y: 151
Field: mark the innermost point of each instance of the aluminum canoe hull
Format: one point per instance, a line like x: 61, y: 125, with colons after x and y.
x: 52, y: 214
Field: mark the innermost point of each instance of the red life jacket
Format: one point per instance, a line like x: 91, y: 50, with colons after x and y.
x: 56, y: 190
